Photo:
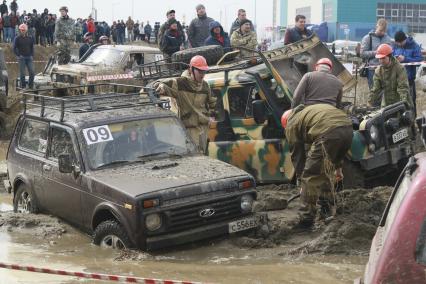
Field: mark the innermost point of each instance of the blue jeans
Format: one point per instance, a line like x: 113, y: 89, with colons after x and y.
x: 8, y: 34
x: 26, y: 61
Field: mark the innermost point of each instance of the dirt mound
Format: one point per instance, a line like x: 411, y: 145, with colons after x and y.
x: 350, y: 232
x: 41, y: 226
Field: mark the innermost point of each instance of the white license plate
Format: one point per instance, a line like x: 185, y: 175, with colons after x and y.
x: 398, y: 136
x: 244, y: 224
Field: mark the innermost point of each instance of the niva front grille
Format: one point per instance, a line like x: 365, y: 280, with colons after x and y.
x: 189, y: 216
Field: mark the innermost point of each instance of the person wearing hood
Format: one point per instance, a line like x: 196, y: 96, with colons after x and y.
x: 406, y: 50
x: 244, y: 37
x: 172, y: 40
x: 369, y: 45
x: 194, y: 98
x: 198, y: 30
x: 218, y: 37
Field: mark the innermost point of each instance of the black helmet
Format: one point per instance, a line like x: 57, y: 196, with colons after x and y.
x: 87, y: 36
x: 64, y: 8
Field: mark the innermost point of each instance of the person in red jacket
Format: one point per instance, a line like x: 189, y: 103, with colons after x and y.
x: 91, y: 28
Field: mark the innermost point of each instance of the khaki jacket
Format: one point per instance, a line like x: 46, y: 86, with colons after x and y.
x: 313, y: 122
x: 390, y: 85
x: 248, y: 41
x: 194, y: 100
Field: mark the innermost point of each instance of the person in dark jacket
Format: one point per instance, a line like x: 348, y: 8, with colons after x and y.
x: 298, y: 32
x: 406, y: 50
x: 171, y: 14
x: 218, y: 37
x: 88, y: 42
x: 148, y: 31
x: 3, y: 8
x: 14, y: 6
x: 198, y: 30
x: 236, y: 24
x: 23, y: 47
x: 172, y: 40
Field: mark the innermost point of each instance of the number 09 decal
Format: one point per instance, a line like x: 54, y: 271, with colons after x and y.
x: 97, y: 134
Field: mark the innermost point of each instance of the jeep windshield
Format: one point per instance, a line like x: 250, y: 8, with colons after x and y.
x: 104, y: 56
x: 135, y: 141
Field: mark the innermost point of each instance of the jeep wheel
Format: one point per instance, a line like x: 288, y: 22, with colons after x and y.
x: 24, y: 201
x: 110, y: 234
x: 212, y: 54
x: 353, y: 175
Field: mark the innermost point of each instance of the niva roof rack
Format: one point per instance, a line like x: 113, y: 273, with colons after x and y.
x: 107, y: 100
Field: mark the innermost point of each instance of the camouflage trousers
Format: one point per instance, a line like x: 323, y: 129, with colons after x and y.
x: 199, y: 136
x: 64, y: 52
x: 330, y: 149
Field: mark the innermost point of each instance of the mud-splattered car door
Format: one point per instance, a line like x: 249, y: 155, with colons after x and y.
x: 63, y: 190
x: 256, y: 148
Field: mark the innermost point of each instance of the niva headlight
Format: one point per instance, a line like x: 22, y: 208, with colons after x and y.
x: 153, y: 222
x: 246, y: 203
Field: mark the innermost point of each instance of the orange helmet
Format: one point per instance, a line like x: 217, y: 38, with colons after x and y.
x: 199, y: 62
x: 285, y: 116
x: 23, y: 27
x: 325, y: 61
x: 383, y: 50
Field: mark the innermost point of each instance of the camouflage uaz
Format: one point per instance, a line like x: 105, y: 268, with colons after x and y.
x: 253, y: 94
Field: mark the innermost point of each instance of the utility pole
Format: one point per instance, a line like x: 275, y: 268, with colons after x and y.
x: 274, y: 19
x: 255, y: 14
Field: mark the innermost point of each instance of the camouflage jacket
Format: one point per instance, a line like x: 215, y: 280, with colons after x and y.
x: 390, y: 85
x: 312, y: 122
x: 64, y: 29
x: 194, y: 100
x: 248, y: 41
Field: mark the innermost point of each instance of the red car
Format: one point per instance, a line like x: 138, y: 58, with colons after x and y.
x: 398, y: 250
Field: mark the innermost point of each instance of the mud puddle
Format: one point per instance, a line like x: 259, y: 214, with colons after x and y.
x: 44, y: 241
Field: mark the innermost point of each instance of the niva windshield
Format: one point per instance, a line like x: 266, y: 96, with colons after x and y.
x: 133, y: 141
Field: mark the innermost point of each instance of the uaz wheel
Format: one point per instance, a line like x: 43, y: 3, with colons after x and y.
x: 24, y: 201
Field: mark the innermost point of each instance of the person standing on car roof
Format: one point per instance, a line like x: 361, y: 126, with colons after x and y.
x: 198, y: 29
x: 194, y: 99
x: 23, y: 47
x: 88, y: 42
x: 236, y: 24
x: 299, y: 31
x: 390, y: 82
x: 369, y: 45
x: 328, y: 131
x: 244, y: 37
x: 64, y: 35
x: 171, y: 14
x: 218, y: 37
x: 406, y: 50
x: 317, y: 87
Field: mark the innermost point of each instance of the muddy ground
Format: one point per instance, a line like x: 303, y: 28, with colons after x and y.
x: 278, y: 252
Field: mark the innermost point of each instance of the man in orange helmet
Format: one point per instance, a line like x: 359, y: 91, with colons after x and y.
x: 390, y: 82
x: 194, y: 99
x: 319, y: 86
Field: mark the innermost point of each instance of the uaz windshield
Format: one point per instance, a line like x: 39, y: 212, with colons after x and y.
x: 135, y: 141
x: 104, y: 56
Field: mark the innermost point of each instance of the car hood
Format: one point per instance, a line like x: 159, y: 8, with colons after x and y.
x: 142, y: 178
x: 78, y: 68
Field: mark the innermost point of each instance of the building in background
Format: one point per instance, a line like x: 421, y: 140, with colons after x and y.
x: 347, y: 19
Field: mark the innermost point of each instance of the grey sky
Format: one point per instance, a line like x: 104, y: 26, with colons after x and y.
x: 155, y: 10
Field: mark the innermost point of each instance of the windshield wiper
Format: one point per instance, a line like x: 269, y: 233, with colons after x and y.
x: 160, y: 153
x: 112, y: 163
